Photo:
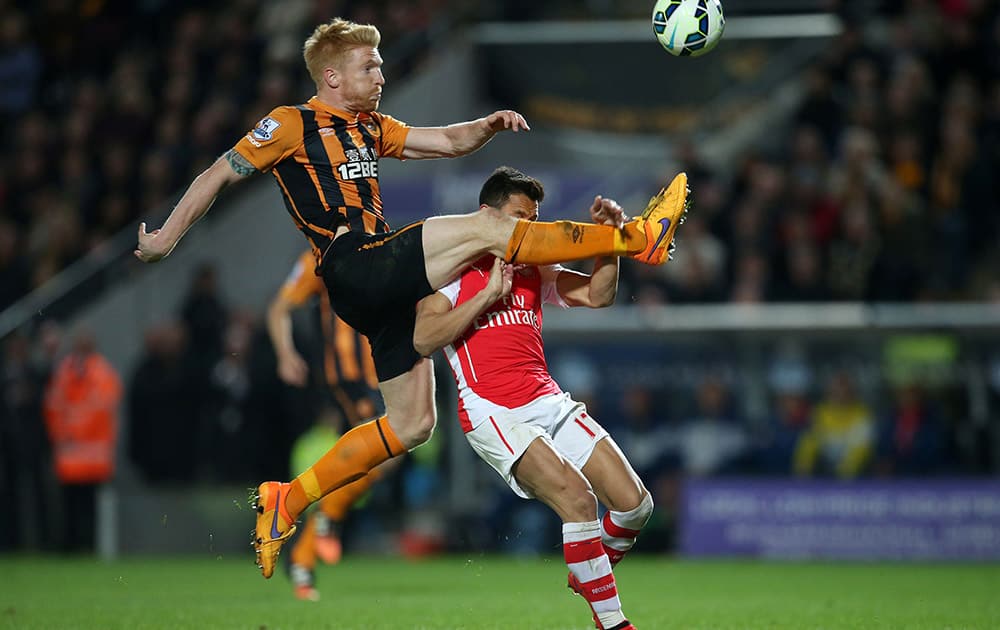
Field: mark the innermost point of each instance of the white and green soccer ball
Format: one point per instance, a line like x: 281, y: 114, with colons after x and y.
x: 688, y: 28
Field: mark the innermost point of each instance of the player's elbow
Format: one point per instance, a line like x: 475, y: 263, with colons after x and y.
x: 604, y: 299
x: 424, y: 343
x: 277, y: 310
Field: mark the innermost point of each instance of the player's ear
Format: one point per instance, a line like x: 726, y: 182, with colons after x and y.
x: 331, y: 77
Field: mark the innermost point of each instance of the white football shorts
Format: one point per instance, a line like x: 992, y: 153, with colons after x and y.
x: 501, y: 438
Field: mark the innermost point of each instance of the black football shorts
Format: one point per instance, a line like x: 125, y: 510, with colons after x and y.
x: 375, y: 282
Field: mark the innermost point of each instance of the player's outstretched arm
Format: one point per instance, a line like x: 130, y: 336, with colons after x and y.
x: 461, y: 138
x: 438, y: 324
x: 155, y: 245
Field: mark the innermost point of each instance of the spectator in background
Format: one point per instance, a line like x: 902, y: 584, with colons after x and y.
x: 652, y: 442
x: 223, y: 444
x: 81, y: 414
x: 650, y: 439
x: 14, y: 266
x: 904, y: 254
x: 853, y: 252
x: 841, y: 435
x: 802, y: 279
x: 992, y: 436
x: 820, y: 109
x: 697, y: 269
x: 204, y: 315
x: 162, y: 413
x: 912, y: 438
x: 20, y: 65
x: 26, y: 480
x: 714, y: 441
x: 790, y: 413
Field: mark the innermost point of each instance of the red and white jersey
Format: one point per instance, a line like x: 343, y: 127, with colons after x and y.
x: 499, y: 358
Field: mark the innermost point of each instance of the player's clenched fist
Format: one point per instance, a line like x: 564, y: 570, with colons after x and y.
x: 148, y: 248
x: 501, y: 279
x: 507, y: 119
x: 607, y: 212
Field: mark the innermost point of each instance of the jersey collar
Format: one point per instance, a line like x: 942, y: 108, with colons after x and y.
x: 315, y: 103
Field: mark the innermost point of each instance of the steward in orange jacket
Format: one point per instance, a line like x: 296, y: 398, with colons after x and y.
x: 81, y: 414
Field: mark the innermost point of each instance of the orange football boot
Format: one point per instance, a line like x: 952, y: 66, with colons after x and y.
x: 660, y: 220
x: 274, y: 526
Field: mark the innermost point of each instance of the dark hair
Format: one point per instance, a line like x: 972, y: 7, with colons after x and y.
x: 507, y: 181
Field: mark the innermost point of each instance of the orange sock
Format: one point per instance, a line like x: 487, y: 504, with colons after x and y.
x: 357, y: 452
x: 336, y: 504
x: 541, y: 243
x: 304, y: 551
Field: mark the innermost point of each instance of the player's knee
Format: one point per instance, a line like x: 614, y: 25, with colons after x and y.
x: 585, y: 505
x: 580, y: 501
x: 638, y: 516
x: 423, y: 428
x: 413, y: 429
x: 627, y: 497
x: 493, y: 227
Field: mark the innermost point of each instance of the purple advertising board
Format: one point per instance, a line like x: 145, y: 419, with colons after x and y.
x: 859, y: 520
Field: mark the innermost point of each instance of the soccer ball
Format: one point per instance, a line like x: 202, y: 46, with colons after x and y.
x: 688, y: 28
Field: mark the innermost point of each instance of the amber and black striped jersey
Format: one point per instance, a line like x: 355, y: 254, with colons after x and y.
x: 326, y: 164
x: 347, y: 356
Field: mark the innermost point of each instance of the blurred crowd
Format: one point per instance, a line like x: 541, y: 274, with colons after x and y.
x: 112, y: 106
x: 882, y: 187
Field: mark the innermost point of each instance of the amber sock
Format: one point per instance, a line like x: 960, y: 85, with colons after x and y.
x: 540, y: 243
x: 336, y: 504
x: 303, y: 552
x: 351, y: 458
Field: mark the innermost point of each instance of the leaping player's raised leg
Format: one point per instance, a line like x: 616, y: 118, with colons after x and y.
x: 451, y: 243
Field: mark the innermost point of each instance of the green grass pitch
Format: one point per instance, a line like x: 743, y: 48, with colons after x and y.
x: 467, y: 592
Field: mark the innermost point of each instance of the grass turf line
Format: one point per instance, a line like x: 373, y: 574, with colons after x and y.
x: 477, y: 592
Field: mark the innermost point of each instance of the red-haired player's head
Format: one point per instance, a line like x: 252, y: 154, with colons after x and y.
x: 343, y: 60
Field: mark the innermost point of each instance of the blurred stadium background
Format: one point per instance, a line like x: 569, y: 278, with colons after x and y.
x: 841, y: 262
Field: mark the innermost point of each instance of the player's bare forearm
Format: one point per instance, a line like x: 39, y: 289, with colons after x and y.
x: 604, y: 282
x: 467, y: 137
x: 155, y: 245
x: 279, y: 327
x: 596, y: 290
x: 470, y: 136
x: 292, y: 368
x: 602, y: 286
x: 460, y: 138
x: 447, y: 142
x: 192, y: 207
x: 438, y: 324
